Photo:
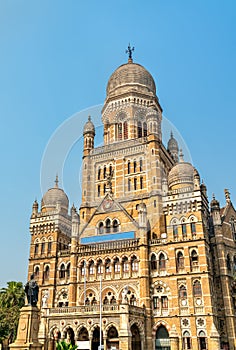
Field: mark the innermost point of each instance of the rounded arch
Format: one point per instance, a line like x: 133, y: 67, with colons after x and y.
x: 174, y: 221
x: 82, y: 333
x: 54, y: 329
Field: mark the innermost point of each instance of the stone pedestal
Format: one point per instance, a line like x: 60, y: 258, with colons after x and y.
x: 28, y: 327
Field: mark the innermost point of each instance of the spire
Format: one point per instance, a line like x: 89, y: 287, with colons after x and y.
x: 171, y: 134
x: 56, y: 182
x: 227, y: 195
x: 129, y: 51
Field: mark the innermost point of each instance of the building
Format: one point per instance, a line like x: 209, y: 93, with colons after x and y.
x: 146, y: 253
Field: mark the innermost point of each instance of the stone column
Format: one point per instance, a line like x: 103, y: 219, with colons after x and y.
x: 174, y: 338
x: 28, y: 327
x: 124, y: 338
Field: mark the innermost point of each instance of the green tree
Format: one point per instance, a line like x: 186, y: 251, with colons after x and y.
x: 12, y: 299
x: 62, y: 345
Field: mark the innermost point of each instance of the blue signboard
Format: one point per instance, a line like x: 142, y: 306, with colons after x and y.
x: 106, y: 238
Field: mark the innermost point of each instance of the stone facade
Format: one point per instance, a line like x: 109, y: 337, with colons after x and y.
x: 147, y: 258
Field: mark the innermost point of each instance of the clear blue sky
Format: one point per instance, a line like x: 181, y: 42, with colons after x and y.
x: 56, y: 57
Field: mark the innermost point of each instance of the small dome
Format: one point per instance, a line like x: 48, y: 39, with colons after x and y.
x: 172, y: 144
x: 131, y: 77
x: 181, y: 175
x: 89, y: 127
x: 55, y: 196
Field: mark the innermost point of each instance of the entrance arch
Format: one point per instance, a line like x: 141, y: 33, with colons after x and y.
x: 112, y: 338
x: 96, y: 338
x: 162, y: 339
x: 136, y: 339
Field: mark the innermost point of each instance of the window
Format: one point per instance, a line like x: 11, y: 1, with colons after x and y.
x: 125, y: 130
x: 110, y: 169
x: 162, y: 262
x: 175, y: 231
x: 135, y: 166
x: 129, y: 184
x: 187, y: 341
x: 164, y: 303
x: 141, y: 182
x: 144, y: 129
x: 182, y: 292
x: 68, y: 271
x: 180, y: 261
x: 99, y: 173
x: 91, y: 268
x: 135, y: 184
x: 139, y: 129
x: 104, y: 172
x: 133, y: 300
x: 83, y: 267
x: 108, y: 226
x: 49, y: 247
x: 99, y: 190
x: 108, y: 266
x: 134, y: 263
x: 120, y: 131
x: 36, y: 272
x: 202, y: 340
x: 36, y: 248
x: 62, y: 271
x: 128, y: 166
x: 141, y: 165
x: 228, y: 262
x: 153, y: 262
x: 43, y: 248
x: 104, y: 188
x: 46, y: 273
x: 116, y: 265
x: 194, y: 259
x: 100, y: 228
x: 156, y: 304
x: 197, y: 289
x: 115, y: 226
x: 99, y: 267
x: 184, y: 230
x: 193, y: 228
x: 125, y: 264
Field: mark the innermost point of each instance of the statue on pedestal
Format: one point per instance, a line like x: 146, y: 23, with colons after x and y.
x: 32, y: 291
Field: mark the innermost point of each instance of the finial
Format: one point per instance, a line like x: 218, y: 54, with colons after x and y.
x: 181, y: 155
x: 56, y: 182
x: 213, y: 196
x: 89, y: 118
x: 129, y: 51
x: 227, y: 195
x: 171, y: 134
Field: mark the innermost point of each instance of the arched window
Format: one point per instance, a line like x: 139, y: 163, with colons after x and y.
x: 133, y: 300
x: 144, y: 129
x: 135, y: 184
x: 139, y: 129
x: 228, y: 262
x: 36, y: 272
x: 46, y: 273
x: 68, y: 270
x: 162, y: 262
x: 116, y: 265
x: 108, y: 225
x: 134, y: 263
x: 104, y: 188
x: 115, y: 226
x: 193, y: 228
x: 104, y: 172
x: 43, y: 248
x: 153, y: 262
x: 135, y: 166
x: 105, y: 300
x: 99, y: 267
x: 49, y: 247
x: 187, y: 344
x: 164, y: 303
x: 62, y: 271
x: 175, y: 231
x: 197, y: 289
x: 91, y: 268
x: 125, y: 264
x: 110, y: 169
x: 180, y: 261
x: 99, y: 173
x: 194, y: 259
x: 108, y: 266
x: 99, y: 190
x: 141, y: 182
x: 141, y: 164
x: 202, y: 340
x: 83, y: 267
x: 100, y: 228
x: 119, y: 131
x: 125, y: 130
x: 182, y: 292
x: 36, y: 248
x: 128, y: 166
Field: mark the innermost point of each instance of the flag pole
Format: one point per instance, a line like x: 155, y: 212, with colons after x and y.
x: 101, y: 312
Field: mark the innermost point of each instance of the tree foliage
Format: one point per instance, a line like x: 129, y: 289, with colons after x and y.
x: 12, y: 299
x: 62, y: 345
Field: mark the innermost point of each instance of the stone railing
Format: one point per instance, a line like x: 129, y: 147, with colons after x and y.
x: 112, y: 245
x: 95, y: 309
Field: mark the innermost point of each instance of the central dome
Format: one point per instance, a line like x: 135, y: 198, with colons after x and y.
x: 131, y: 77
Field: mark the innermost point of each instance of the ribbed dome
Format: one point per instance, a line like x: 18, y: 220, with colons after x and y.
x: 55, y: 196
x: 89, y: 127
x: 131, y: 77
x: 181, y: 175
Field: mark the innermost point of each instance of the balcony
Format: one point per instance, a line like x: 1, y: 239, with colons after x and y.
x: 112, y: 245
